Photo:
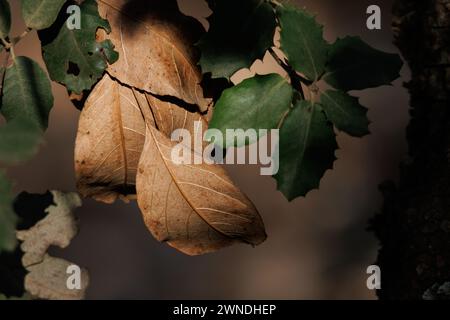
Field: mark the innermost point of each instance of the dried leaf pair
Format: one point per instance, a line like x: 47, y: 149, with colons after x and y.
x: 123, y: 148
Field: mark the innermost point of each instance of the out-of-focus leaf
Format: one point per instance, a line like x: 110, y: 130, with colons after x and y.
x: 5, y: 19
x: 74, y: 58
x: 40, y: 14
x: 30, y: 209
x: 8, y: 219
x: 354, y: 65
x: 19, y: 141
x: 27, y: 93
x: 47, y: 277
x: 240, y: 32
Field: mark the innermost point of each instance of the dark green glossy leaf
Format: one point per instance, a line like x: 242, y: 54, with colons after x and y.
x: 306, y: 151
x: 40, y: 14
x: 5, y: 19
x: 302, y: 41
x: 240, y: 33
x: 256, y: 103
x: 346, y: 113
x: 354, y: 65
x: 8, y: 219
x: 27, y: 93
x: 74, y: 58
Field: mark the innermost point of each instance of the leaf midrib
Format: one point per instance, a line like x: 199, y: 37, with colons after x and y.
x: 305, y: 140
x: 178, y: 186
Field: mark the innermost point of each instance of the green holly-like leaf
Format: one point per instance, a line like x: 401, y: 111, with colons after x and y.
x: 5, y: 19
x: 74, y: 58
x: 8, y: 218
x: 256, y: 103
x: 346, y: 113
x: 19, y: 141
x: 27, y: 93
x: 354, y: 65
x: 40, y: 14
x: 306, y: 150
x: 302, y: 41
x: 240, y: 33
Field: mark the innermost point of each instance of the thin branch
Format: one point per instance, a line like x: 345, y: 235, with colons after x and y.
x: 5, y: 43
x: 296, y: 79
x: 13, y: 54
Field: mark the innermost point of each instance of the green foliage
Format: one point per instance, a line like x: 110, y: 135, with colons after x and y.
x: 345, y: 112
x: 19, y: 141
x: 307, y: 139
x: 307, y: 150
x: 7, y: 217
x: 354, y: 65
x: 240, y: 33
x: 74, y: 58
x: 5, y: 19
x: 40, y: 14
x: 302, y: 41
x: 26, y: 92
x: 253, y: 104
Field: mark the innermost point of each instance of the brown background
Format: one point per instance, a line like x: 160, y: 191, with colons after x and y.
x: 317, y: 247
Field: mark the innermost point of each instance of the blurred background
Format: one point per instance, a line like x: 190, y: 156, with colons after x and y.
x: 318, y: 247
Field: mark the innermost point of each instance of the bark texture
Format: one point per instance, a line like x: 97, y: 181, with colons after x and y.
x: 414, y: 226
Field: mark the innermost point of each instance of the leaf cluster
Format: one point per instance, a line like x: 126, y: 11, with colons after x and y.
x: 26, y: 97
x: 310, y: 101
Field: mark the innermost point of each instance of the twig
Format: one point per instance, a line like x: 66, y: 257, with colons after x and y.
x: 5, y: 43
x: 296, y: 79
x: 23, y: 35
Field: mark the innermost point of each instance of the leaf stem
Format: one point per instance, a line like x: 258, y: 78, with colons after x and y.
x: 5, y: 43
x: 275, y: 3
x: 296, y: 79
x: 23, y: 35
x: 13, y: 54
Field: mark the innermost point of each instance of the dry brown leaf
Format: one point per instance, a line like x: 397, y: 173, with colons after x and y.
x: 194, y: 208
x: 155, y: 42
x: 47, y: 275
x: 169, y: 117
x: 111, y: 135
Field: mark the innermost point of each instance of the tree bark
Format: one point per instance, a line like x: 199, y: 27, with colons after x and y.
x: 414, y: 226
